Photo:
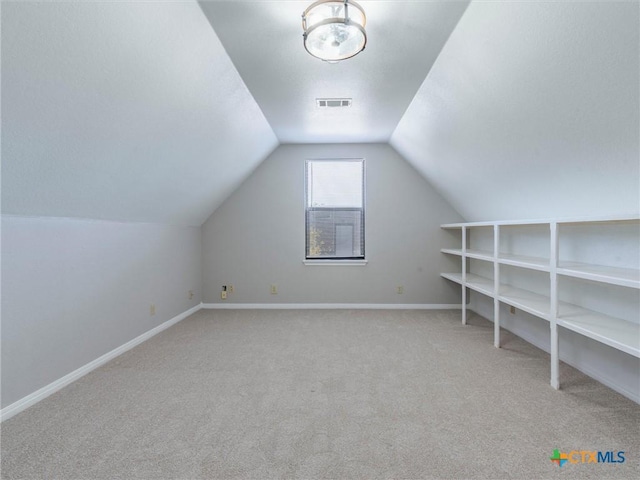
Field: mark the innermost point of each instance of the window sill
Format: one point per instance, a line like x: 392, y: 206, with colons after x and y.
x: 333, y: 263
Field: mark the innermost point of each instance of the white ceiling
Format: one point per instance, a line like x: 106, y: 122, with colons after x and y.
x: 135, y: 111
x: 264, y: 40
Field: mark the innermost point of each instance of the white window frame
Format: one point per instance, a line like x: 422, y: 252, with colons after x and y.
x: 336, y: 261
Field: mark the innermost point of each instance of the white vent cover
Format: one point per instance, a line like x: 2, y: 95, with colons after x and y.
x: 333, y: 102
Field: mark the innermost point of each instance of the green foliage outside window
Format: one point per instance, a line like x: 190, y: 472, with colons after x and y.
x: 316, y: 246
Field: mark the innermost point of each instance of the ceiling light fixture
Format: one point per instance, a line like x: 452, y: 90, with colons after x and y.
x: 334, y: 29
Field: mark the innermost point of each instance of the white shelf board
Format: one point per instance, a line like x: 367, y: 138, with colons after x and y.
x: 533, y: 303
x: 524, y: 261
x: 480, y: 284
x: 480, y: 255
x: 626, y: 277
x: 615, y: 332
x: 474, y: 282
x: 452, y: 251
x: 605, y: 219
x: 491, y: 224
x: 543, y: 221
x: 454, y: 277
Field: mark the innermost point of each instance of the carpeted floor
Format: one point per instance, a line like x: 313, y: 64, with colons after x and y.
x: 323, y: 394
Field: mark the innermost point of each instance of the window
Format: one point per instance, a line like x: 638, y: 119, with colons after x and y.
x: 334, y: 209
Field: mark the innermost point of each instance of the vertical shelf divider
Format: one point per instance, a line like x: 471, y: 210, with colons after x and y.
x: 464, y: 274
x: 496, y: 286
x: 553, y: 307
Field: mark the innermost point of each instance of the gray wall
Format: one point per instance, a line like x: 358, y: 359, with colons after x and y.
x: 257, y: 237
x: 73, y: 290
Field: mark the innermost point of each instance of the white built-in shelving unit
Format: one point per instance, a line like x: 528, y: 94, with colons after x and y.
x: 579, y: 274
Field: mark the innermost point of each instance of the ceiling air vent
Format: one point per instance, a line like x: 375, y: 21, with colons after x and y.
x: 333, y: 102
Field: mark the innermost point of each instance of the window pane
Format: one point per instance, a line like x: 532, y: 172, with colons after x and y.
x: 334, y: 183
x: 335, y: 209
x: 335, y: 232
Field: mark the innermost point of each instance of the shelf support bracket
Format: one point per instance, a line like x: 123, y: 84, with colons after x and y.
x: 553, y: 308
x: 496, y: 287
x: 464, y: 275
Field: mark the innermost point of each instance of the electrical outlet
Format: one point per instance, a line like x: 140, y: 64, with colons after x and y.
x: 190, y: 294
x: 400, y: 290
x: 230, y: 288
x: 512, y: 310
x: 152, y: 309
x: 274, y: 289
x: 223, y: 295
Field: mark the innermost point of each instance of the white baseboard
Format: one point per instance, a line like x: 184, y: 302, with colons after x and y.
x: 523, y: 334
x: 621, y: 389
x: 33, y: 398
x: 333, y: 306
x: 533, y: 340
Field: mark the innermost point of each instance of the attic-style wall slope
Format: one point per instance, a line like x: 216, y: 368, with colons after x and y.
x: 531, y: 111
x: 264, y: 39
x: 128, y: 111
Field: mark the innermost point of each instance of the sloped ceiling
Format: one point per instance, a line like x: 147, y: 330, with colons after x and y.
x: 128, y: 111
x: 532, y: 110
x: 134, y: 111
x: 264, y: 40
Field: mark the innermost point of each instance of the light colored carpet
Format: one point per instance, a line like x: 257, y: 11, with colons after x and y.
x: 323, y: 394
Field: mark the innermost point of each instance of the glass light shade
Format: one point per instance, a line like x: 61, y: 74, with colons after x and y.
x: 334, y: 29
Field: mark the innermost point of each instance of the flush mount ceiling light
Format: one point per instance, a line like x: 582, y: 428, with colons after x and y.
x: 334, y: 29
